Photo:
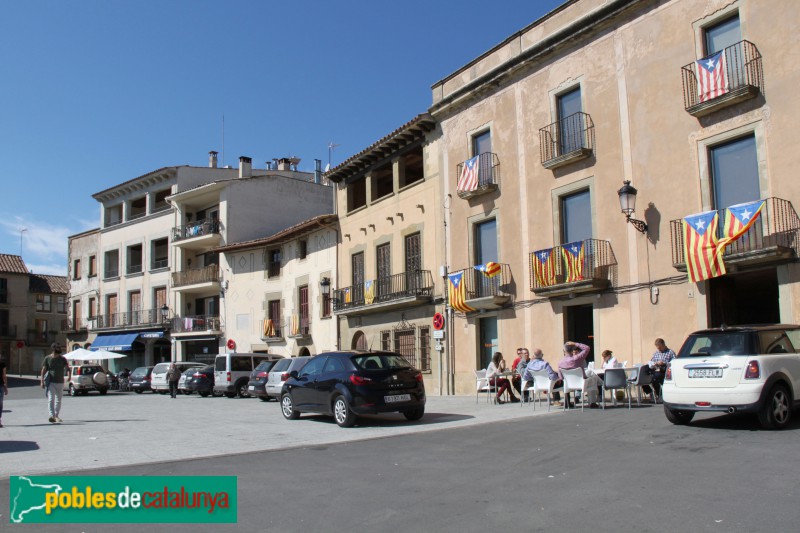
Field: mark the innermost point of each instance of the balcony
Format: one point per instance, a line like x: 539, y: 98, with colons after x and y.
x: 189, y: 325
x: 197, y: 279
x: 391, y: 292
x: 300, y: 327
x: 482, y: 292
x: 554, y: 273
x: 744, y: 75
x: 485, y: 177
x: 127, y: 320
x: 8, y: 331
x: 38, y: 338
x: 772, y: 239
x: 566, y: 141
x: 78, y: 324
x: 197, y: 235
x: 271, y: 331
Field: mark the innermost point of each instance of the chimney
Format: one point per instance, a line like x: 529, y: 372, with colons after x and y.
x: 317, y: 171
x: 245, y: 167
x: 212, y: 159
x: 284, y: 163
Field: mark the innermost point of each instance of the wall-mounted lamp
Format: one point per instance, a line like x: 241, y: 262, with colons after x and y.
x: 325, y: 286
x: 164, y: 313
x: 627, y: 202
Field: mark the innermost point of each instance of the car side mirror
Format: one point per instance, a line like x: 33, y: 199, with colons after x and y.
x: 293, y: 374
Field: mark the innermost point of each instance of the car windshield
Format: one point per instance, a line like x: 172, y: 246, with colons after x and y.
x: 89, y: 370
x: 384, y: 361
x: 717, y: 343
x: 160, y: 369
x: 189, y: 372
x: 264, y: 366
x: 219, y: 364
x: 139, y: 372
x: 281, y: 365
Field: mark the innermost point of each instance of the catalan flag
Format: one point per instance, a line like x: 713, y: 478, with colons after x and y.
x: 738, y: 219
x: 573, y: 258
x: 456, y: 292
x: 490, y: 269
x: 369, y: 292
x: 543, y: 265
x: 700, y: 246
x: 346, y: 292
x: 468, y: 180
x: 712, y: 76
x: 269, y: 328
x: 295, y: 324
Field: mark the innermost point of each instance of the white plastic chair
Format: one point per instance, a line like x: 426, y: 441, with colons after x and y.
x: 523, y: 388
x: 482, y: 384
x: 543, y: 383
x: 574, y: 382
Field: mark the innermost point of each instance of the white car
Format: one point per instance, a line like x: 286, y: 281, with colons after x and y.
x: 747, y: 369
x: 159, y: 382
x: 280, y: 373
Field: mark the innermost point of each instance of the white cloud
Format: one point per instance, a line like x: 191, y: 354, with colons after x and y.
x: 54, y: 269
x: 44, y: 246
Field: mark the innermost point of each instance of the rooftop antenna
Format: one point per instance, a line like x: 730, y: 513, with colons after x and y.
x: 331, y: 147
x: 223, y: 140
x: 21, y: 231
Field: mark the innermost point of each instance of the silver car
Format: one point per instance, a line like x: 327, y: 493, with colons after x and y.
x: 280, y: 373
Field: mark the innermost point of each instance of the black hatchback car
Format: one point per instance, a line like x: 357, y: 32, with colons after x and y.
x: 257, y: 386
x: 139, y: 381
x: 352, y: 383
x: 202, y: 381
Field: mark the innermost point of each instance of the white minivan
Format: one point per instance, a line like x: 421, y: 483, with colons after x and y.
x: 159, y: 382
x: 232, y: 371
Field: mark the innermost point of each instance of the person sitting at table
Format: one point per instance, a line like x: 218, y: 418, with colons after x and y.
x: 661, y: 358
x: 518, y: 367
x: 496, y: 367
x: 575, y: 355
x: 609, y: 361
x: 537, y: 364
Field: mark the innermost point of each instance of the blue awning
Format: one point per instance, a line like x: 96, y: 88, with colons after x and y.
x: 114, y: 342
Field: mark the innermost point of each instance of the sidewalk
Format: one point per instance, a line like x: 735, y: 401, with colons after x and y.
x: 126, y: 428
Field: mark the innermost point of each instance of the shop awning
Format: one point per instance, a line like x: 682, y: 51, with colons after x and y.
x: 114, y: 342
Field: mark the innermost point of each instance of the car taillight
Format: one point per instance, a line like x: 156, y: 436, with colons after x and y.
x: 284, y: 376
x: 228, y: 377
x: 418, y: 377
x: 262, y: 374
x: 197, y: 375
x: 668, y: 375
x: 359, y: 380
x: 753, y: 371
x: 146, y: 378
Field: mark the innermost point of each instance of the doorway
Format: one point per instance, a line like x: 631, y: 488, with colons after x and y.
x: 744, y: 298
x: 579, y: 326
x: 488, y: 340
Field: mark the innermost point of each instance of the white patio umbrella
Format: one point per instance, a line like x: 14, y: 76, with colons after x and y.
x: 83, y: 354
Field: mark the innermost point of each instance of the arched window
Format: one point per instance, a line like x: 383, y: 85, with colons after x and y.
x: 359, y: 341
x: 304, y: 352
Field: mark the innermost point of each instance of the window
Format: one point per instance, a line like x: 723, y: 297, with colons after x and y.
x: 424, y: 349
x: 302, y: 249
x: 386, y: 341
x: 313, y: 367
x: 61, y: 305
x: 383, y: 257
x: 274, y: 314
x: 5, y: 328
x: 486, y: 242
x: 40, y: 335
x: 734, y: 172
x: 326, y: 305
x: 159, y: 298
x: 576, y: 217
x: 274, y: 263
x: 111, y: 310
x: 113, y: 215
x: 160, y: 200
x: 303, y: 298
x: 92, y: 307
x: 412, y: 169
x: 3, y: 291
x: 404, y: 342
x: 77, y: 319
x: 722, y: 35
x: 92, y: 266
x: 357, y: 194
x: 482, y: 143
x: 357, y: 263
x: 134, y: 259
x: 160, y: 254
x: 570, y: 125
x: 382, y: 181
x: 134, y: 307
x: 111, y: 264
x: 138, y: 208
x: 76, y: 269
x: 43, y: 303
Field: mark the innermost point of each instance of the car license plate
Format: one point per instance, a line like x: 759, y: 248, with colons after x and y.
x: 251, y: 387
x: 705, y: 372
x: 397, y: 398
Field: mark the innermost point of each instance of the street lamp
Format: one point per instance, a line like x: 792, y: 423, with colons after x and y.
x: 325, y: 286
x: 627, y: 203
x: 164, y: 313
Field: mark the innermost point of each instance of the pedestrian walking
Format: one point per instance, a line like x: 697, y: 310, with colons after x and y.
x: 54, y: 368
x: 173, y: 376
x: 3, y: 386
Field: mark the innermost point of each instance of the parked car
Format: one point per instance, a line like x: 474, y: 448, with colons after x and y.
x: 202, y: 381
x: 351, y: 383
x: 159, y: 381
x: 87, y: 378
x: 232, y: 370
x: 280, y: 373
x: 258, y: 380
x: 139, y: 380
x: 183, y: 387
x: 747, y: 369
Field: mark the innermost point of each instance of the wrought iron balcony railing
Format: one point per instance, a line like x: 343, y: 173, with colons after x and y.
x: 159, y: 263
x: 384, y: 290
x: 300, y: 326
x: 77, y: 324
x: 188, y: 324
x: 582, y: 266
x: 207, y: 274
x: 8, y: 331
x: 144, y: 317
x: 195, y: 229
x: 773, y: 237
x: 744, y: 74
x: 484, y: 292
x: 488, y: 176
x: 568, y: 140
x: 41, y: 337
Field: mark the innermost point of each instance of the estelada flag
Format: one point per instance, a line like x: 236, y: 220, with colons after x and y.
x: 543, y: 265
x: 369, y: 292
x: 738, y: 219
x: 295, y: 324
x: 468, y: 180
x: 490, y: 269
x: 573, y: 258
x: 700, y: 246
x: 712, y: 76
x: 456, y: 292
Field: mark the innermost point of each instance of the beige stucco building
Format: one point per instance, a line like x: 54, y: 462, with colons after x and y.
x: 594, y: 93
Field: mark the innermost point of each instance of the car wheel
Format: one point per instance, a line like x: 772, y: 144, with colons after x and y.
x: 103, y: 391
x: 230, y: 394
x: 777, y: 409
x: 216, y: 394
x: 414, y: 414
x: 677, y: 417
x: 241, y: 390
x: 137, y: 391
x: 203, y: 394
x: 342, y: 413
x: 72, y: 391
x: 287, y: 407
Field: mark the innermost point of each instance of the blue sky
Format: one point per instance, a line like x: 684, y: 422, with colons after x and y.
x: 94, y: 93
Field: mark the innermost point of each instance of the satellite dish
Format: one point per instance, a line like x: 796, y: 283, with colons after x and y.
x: 327, y: 167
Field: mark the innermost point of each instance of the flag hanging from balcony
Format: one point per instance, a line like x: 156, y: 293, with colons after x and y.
x: 700, y: 246
x: 490, y: 269
x: 369, y: 292
x: 346, y: 293
x: 269, y: 328
x: 712, y: 77
x: 468, y: 180
x: 544, y: 267
x: 738, y: 219
x: 295, y: 324
x: 573, y: 259
x: 456, y: 292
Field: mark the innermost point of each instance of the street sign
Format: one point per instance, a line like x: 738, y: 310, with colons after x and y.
x: 438, y: 347
x: 438, y: 334
x: 438, y: 321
